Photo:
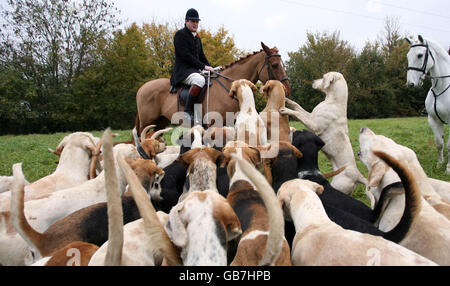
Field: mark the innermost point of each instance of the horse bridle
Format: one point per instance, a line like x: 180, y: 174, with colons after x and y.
x: 272, y: 76
x: 423, y: 69
x: 424, y: 72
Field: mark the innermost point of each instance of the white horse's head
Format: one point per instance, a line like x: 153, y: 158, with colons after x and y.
x: 419, y: 61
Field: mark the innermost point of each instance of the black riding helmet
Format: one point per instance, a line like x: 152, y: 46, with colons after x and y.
x: 192, y: 14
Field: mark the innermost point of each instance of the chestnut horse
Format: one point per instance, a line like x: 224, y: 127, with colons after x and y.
x: 155, y: 105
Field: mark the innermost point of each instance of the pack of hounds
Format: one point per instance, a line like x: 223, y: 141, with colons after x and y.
x: 251, y: 194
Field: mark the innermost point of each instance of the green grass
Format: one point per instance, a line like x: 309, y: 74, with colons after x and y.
x: 412, y: 132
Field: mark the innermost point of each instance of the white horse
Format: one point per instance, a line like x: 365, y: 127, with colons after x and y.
x: 427, y: 56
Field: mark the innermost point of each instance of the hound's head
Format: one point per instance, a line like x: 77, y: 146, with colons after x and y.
x: 148, y: 147
x: 309, y: 144
x: 369, y: 142
x: 218, y: 137
x: 204, y: 155
x: 286, y: 152
x: 242, y: 89
x: 251, y: 154
x: 190, y: 139
x: 296, y: 193
x: 83, y: 140
x: 202, y: 168
x: 153, y: 147
x: 201, y: 225
x: 148, y: 173
x: 276, y: 90
x: 331, y: 81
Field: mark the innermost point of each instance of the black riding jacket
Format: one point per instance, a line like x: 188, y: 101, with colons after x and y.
x: 189, y: 56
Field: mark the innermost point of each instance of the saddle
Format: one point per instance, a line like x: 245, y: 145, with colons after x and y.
x: 183, y: 93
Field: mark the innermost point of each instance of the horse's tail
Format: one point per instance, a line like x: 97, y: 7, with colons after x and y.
x: 137, y: 123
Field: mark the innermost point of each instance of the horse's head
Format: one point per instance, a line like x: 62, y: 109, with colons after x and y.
x: 274, y: 68
x: 420, y: 61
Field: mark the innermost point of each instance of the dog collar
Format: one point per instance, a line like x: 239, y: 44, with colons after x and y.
x: 303, y: 174
x: 391, y: 186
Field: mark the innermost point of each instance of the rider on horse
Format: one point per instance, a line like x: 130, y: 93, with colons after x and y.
x: 190, y: 60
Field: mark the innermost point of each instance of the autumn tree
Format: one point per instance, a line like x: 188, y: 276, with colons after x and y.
x: 105, y: 94
x: 159, y: 42
x: 219, y: 47
x: 49, y: 43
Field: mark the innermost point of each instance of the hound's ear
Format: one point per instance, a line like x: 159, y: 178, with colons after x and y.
x: 55, y: 152
x: 163, y: 217
x: 233, y: 89
x: 252, y: 86
x: 284, y: 198
x: 61, y: 145
x: 409, y: 41
x: 328, y: 79
x: 318, y: 189
x: 319, y: 142
x: 130, y: 161
x: 213, y: 153
x: 90, y: 148
x: 266, y: 88
x: 188, y: 156
x: 370, y: 197
x: 156, y: 172
x: 297, y: 153
x: 267, y: 166
x: 225, y: 159
x: 420, y: 38
x: 149, y: 148
x: 226, y: 215
x: 212, y: 134
x: 175, y: 228
x: 253, y: 154
x: 377, y: 171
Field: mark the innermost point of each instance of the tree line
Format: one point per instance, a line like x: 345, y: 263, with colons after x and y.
x: 67, y: 66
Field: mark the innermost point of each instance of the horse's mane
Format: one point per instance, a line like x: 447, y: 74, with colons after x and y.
x: 241, y: 59
x: 273, y: 50
x: 438, y: 48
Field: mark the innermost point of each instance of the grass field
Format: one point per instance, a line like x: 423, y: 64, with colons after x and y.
x: 412, y: 132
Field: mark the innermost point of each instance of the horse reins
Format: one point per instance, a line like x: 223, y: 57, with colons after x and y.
x: 424, y: 72
x: 272, y: 76
x: 269, y: 69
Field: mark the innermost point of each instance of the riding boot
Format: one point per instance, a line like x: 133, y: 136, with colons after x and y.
x: 191, y: 100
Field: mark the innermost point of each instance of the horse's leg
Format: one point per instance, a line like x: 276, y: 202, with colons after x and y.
x: 438, y: 131
x: 447, y: 170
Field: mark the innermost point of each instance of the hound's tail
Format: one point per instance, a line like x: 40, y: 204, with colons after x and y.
x: 412, y: 198
x: 114, y: 204
x: 153, y: 227
x: 33, y: 238
x: 276, y: 220
x: 334, y: 173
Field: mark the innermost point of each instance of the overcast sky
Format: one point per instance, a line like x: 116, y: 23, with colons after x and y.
x: 284, y: 23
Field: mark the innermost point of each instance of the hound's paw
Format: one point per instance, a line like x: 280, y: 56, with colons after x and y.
x: 284, y: 111
x: 291, y: 102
